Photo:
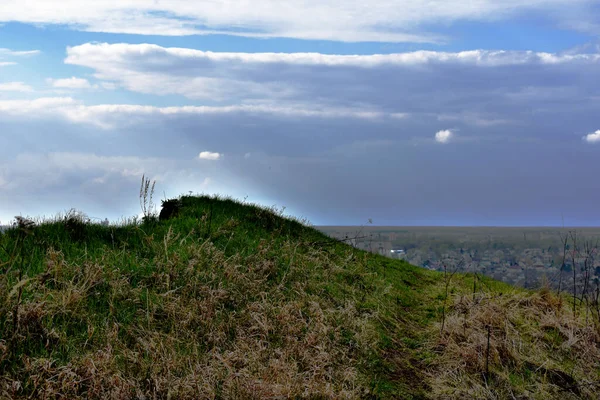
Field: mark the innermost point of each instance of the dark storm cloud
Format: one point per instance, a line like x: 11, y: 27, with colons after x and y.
x: 477, y: 88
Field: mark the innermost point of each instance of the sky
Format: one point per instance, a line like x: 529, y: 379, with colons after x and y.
x: 402, y: 112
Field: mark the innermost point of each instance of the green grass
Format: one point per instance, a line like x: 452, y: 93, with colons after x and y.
x: 230, y: 300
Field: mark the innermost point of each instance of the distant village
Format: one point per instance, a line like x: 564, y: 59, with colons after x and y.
x: 529, y: 267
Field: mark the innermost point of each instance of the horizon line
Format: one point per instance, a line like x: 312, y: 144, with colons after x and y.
x: 462, y: 226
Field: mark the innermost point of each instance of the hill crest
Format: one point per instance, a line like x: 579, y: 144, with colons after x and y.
x: 230, y: 300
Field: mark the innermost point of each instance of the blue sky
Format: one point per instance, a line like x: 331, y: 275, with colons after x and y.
x: 406, y: 112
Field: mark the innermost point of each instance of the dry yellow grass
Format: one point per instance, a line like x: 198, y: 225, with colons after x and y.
x: 537, y: 349
x: 227, y: 332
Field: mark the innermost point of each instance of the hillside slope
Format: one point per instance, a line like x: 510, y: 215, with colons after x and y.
x: 228, y: 300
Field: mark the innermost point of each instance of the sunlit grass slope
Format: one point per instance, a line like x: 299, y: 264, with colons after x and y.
x: 233, y: 301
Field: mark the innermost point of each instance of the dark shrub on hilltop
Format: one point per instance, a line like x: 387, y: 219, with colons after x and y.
x: 170, y: 209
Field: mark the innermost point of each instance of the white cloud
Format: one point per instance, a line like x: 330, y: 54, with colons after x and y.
x: 475, y: 119
x: 350, y: 20
x: 7, y: 63
x: 14, y: 53
x: 362, y: 147
x: 71, y: 83
x: 207, y: 155
x: 444, y: 136
x: 592, y: 137
x: 15, y: 87
x: 108, y: 85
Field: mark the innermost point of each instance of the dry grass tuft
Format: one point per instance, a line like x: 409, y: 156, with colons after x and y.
x: 537, y: 349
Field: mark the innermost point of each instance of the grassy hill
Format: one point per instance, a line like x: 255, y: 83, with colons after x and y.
x: 232, y: 301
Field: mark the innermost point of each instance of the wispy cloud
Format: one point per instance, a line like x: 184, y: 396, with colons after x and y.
x: 475, y: 119
x: 8, y: 53
x: 592, y: 137
x: 207, y: 155
x: 114, y: 115
x: 14, y: 53
x: 52, y: 170
x: 44, y: 105
x: 71, y: 83
x: 15, y: 87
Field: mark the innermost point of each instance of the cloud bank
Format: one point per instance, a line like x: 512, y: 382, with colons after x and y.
x: 351, y: 20
x: 478, y: 88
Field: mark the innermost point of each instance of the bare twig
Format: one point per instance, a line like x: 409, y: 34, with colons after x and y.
x: 447, y: 280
